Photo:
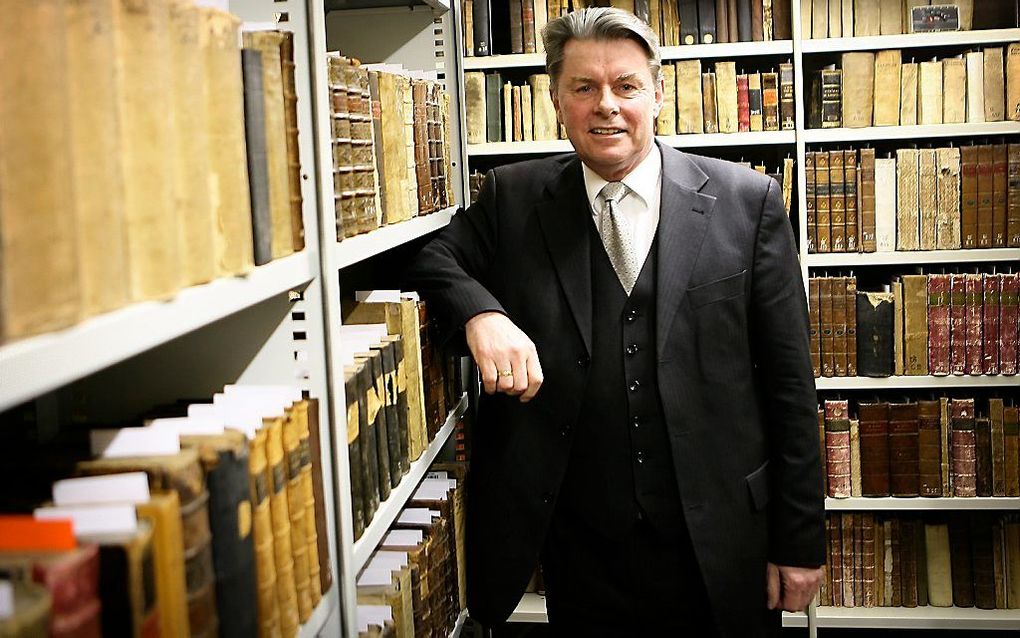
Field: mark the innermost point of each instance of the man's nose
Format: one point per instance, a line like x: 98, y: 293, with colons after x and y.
x: 607, y: 104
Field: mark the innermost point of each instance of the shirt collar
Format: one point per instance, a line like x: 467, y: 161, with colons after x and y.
x: 643, y: 180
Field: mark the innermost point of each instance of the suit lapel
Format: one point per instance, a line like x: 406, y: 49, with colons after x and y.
x: 564, y: 217
x: 683, y: 219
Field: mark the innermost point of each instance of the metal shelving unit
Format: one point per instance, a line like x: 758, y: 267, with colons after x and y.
x: 893, y: 503
x: 832, y: 260
x: 918, y: 382
x: 958, y: 618
x: 361, y: 247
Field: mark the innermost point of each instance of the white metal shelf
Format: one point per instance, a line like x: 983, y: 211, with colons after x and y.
x: 909, y: 618
x: 32, y: 366
x: 457, y: 628
x: 520, y: 148
x: 905, y: 382
x: 921, y: 503
x: 324, y: 621
x: 391, y: 507
x: 900, y: 257
x: 910, y: 40
x: 918, y: 132
x: 702, y: 140
x: 360, y: 247
x: 530, y: 609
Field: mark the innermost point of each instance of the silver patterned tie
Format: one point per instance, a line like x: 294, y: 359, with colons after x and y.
x: 616, y: 235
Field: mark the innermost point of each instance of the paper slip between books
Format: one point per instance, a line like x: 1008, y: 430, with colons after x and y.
x: 377, y: 296
x: 281, y: 391
x: 373, y: 615
x: 388, y: 558
x: 93, y: 521
x: 131, y: 488
x: 417, y: 516
x: 402, y: 538
x: 246, y: 422
x: 190, y: 426
x: 126, y: 442
x: 376, y: 577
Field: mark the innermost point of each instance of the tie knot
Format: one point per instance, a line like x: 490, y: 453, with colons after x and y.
x: 614, y: 191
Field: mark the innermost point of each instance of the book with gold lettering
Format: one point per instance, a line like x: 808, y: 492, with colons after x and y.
x: 1013, y: 196
x: 822, y: 202
x: 770, y: 100
x: 809, y: 202
x: 293, y: 150
x: 279, y: 512
x: 787, y: 109
x: 262, y: 536
x: 969, y: 196
x: 850, y: 196
x: 1000, y: 194
x: 866, y: 172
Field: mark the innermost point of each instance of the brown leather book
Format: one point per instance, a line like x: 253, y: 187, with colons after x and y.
x: 874, y: 435
x: 983, y: 455
x: 839, y: 342
x: 809, y: 202
x: 1000, y: 194
x: 938, y: 324
x: 821, y: 448
x: 964, y: 473
x: 787, y: 110
x: 850, y: 201
x: 851, y: 326
x: 896, y: 577
x: 293, y: 148
x: 770, y: 100
x: 929, y: 93
x: 922, y: 564
x: 974, y: 296
x: 907, y: 205
x: 837, y: 447
x: 297, y: 507
x: 1011, y: 555
x: 938, y: 564
x: 833, y: 524
x: 743, y: 103
x: 1008, y: 324
x: 915, y: 324
x: 1011, y: 449
x: 855, y: 458
x: 998, y: 458
x: 947, y: 229
x: 929, y: 449
x: 986, y: 195
x: 517, y: 123
x: 279, y: 508
x: 962, y: 570
x: 1000, y: 567
x: 866, y: 214
x: 969, y: 158
x: 311, y: 468
x: 946, y: 441
x: 908, y: 562
x: 958, y: 324
x: 849, y: 558
x: 825, y: 285
x: 709, y: 111
x: 858, y: 524
x: 822, y: 202
x: 987, y: 570
x: 722, y: 19
x: 868, y: 560
x: 528, y: 24
x: 516, y: 27
x: 837, y: 204
x: 990, y: 321
x: 814, y: 312
x: 994, y: 77
x: 419, y: 92
x: 757, y: 19
x: 927, y: 198
x: 874, y: 318
x: 1013, y: 197
x: 903, y: 449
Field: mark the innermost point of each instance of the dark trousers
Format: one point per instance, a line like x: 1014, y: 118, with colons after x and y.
x: 640, y: 582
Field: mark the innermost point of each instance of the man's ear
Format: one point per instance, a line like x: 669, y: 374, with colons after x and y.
x: 556, y: 103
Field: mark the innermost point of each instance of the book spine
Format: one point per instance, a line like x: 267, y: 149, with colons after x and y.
x: 851, y: 326
x: 964, y: 475
x: 903, y: 451
x: 990, y: 324
x: 809, y: 202
x: 837, y: 202
x: 929, y: 449
x: 743, y: 104
x: 874, y: 449
x: 958, y: 325
x: 837, y: 448
x: 1008, y: 328
x: 938, y: 324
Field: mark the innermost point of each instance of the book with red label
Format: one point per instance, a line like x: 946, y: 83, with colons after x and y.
x: 964, y: 470
x: 837, y: 447
x: 1011, y: 445
x: 874, y: 434
x: 868, y: 243
x: 938, y: 324
x: 1009, y: 316
x: 975, y: 325
x: 903, y: 435
x: 961, y: 565
x: 990, y: 321
x: 72, y: 579
x: 837, y: 203
x: 958, y: 324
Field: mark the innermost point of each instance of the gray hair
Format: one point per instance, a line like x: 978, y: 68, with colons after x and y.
x: 597, y: 23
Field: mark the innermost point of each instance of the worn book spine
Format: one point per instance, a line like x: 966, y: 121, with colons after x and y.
x: 1000, y: 194
x: 874, y: 347
x: 770, y: 100
x: 958, y: 325
x: 481, y: 33
x: 837, y: 447
x: 828, y: 327
x: 868, y: 560
x: 528, y: 25
x: 974, y: 292
x: 835, y: 557
x: 493, y: 106
x: 276, y: 475
x: 866, y: 214
x: 756, y: 121
x: 908, y: 562
x: 964, y: 473
x: 814, y: 334
x: 929, y: 93
x: 855, y: 458
x: 1011, y: 447
x: 898, y: 327
x: 687, y: 13
x: 1013, y: 197
x: 1008, y: 328
x: 851, y: 194
x: 885, y: 204
x: 832, y: 96
x: 690, y: 104
x: 986, y: 195
x: 321, y: 575
x: 474, y: 97
x: 858, y: 88
x: 851, y: 326
x: 809, y: 202
x: 293, y: 146
x: 915, y: 323
x: 954, y: 90
x: 907, y: 211
x: 837, y: 203
x: 929, y: 442
x: 708, y: 30
x: 903, y: 449
x: 988, y: 562
x: 908, y: 93
x: 938, y: 324
x: 996, y: 419
x: 258, y: 170
x: 516, y: 119
x: 839, y: 350
x: 351, y: 392
x: 969, y: 196
x: 516, y: 26
x: 1012, y: 73
x: 297, y: 506
x: 822, y: 202
x: 874, y: 434
x: 710, y: 113
x: 990, y: 324
x: 983, y: 455
x: 743, y: 104
x: 819, y: 12
x: 961, y: 566
x: 975, y: 95
x: 994, y: 79
x: 849, y: 558
x: 947, y: 230
x: 927, y: 198
x: 544, y: 118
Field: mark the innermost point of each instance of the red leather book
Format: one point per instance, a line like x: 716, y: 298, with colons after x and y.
x: 528, y: 25
x: 938, y: 324
x: 990, y: 321
x: 1000, y: 190
x: 827, y: 324
x: 975, y: 325
x: 969, y: 196
x: 985, y: 195
x: 929, y: 448
x: 743, y: 104
x: 839, y: 326
x: 837, y: 447
x: 814, y: 329
x: 72, y: 579
x: 958, y: 324
x: 1009, y: 316
x: 851, y: 326
x: 834, y: 525
x: 908, y: 562
x: 983, y: 455
x: 964, y: 473
x: 960, y: 559
x: 903, y: 432
x: 874, y: 433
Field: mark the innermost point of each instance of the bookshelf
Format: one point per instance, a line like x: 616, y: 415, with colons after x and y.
x: 918, y: 382
x: 816, y: 260
x: 356, y: 249
x: 956, y: 618
x: 911, y: 40
x: 917, y: 132
x: 893, y: 503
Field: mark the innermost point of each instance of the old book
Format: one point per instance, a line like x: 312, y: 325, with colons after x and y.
x: 834, y: 557
x: 937, y: 554
x: 474, y: 97
x: 707, y: 22
x: 938, y: 324
x: 743, y: 21
x: 874, y: 347
x: 722, y: 27
x: 874, y: 435
x: 516, y: 120
x: 1012, y: 73
x: 726, y: 96
x: 819, y: 18
x: 297, y: 223
x: 814, y: 335
x: 827, y: 327
x: 903, y: 449
x: 411, y: 152
x: 983, y: 455
x: 839, y: 349
x: 836, y: 20
x: 670, y: 24
x: 744, y: 102
x: 837, y: 448
x: 392, y: 148
x: 990, y: 321
x: 127, y: 582
x: 985, y: 195
x: 516, y: 27
x: 849, y: 558
x: 973, y: 298
x: 907, y: 196
x: 528, y: 25
x: 508, y: 112
x: 493, y: 106
x: 947, y: 227
x: 915, y: 325
x: 975, y: 86
x: 998, y: 446
x: 481, y: 33
x: 927, y: 198
x: 1011, y: 447
x: 544, y: 118
x: 929, y: 93
x: 689, y: 101
x: 994, y: 85
x: 163, y: 512
x: 958, y: 325
x: 352, y: 392
x: 420, y: 138
x: 527, y: 111
x: 1008, y: 311
x: 891, y: 17
x: 262, y: 536
x: 885, y: 204
x: 954, y: 89
x: 867, y: 212
x: 687, y: 13
x: 823, y: 211
x: 922, y: 564
x: 782, y: 23
x: 851, y: 326
x: 908, y: 561
x: 757, y: 21
x: 908, y: 93
x: 898, y: 327
x: 858, y: 88
x: 665, y: 121
x: 709, y: 112
x: 1000, y: 194
x: 831, y: 98
x: 855, y: 458
x: 868, y: 559
x: 929, y: 443
x: 886, y: 88
x: 1013, y: 197
x: 964, y: 470
x: 787, y: 110
x: 297, y: 510
x: 867, y: 18
x: 258, y: 168
x: 851, y: 195
x: 837, y: 203
x: 969, y: 196
x: 988, y: 561
x: 809, y: 202
x: 770, y: 100
x: 320, y: 576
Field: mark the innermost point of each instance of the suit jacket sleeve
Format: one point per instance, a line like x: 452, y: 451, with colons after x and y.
x: 453, y: 271
x: 785, y: 382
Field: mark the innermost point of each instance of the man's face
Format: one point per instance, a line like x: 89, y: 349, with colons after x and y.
x: 607, y: 100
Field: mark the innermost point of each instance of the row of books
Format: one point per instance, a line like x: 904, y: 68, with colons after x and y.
x: 107, y: 200
x: 920, y: 199
x: 929, y: 448
x: 940, y: 324
x: 391, y: 140
x: 492, y: 28
x: 399, y: 389
x: 414, y: 584
x: 855, y: 18
x: 207, y: 524
x: 898, y: 560
x: 502, y: 112
x: 878, y: 89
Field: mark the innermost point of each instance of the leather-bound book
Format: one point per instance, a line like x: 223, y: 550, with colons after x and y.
x: 814, y: 101
x: 983, y: 538
x: 756, y: 120
x: 127, y: 583
x: 961, y: 561
x: 1011, y: 446
x: 994, y: 77
x: 744, y: 21
x: 516, y: 27
x: 964, y: 476
x: 815, y: 317
x: 726, y: 95
x: 1000, y: 194
x: 850, y: 198
x: 974, y: 295
x: 709, y: 111
x: 938, y: 324
x: 689, y: 101
x: 1013, y: 197
x: 823, y: 203
x: 1008, y: 312
x: 480, y: 34
x: 839, y: 343
x: 887, y: 87
x: 665, y: 122
x: 903, y: 449
x: 851, y: 326
x: 228, y: 177
x: 938, y: 563
x: 527, y: 24
x: 896, y: 578
x: 837, y: 204
x: 285, y: 540
x: 885, y: 205
x: 72, y: 579
x: 969, y: 196
x: 958, y: 324
x: 833, y: 525
x: 809, y: 202
x: 927, y: 197
x: 995, y: 417
x: 954, y: 90
x: 258, y: 168
x: 316, y: 497
x: 874, y: 449
x: 96, y: 169
x: 891, y: 16
x: 782, y: 22
x: 858, y: 88
x: 770, y: 100
x: 787, y: 110
x: 687, y: 13
x: 909, y: 73
x: 849, y: 558
x: 990, y: 321
x: 262, y: 537
x: 163, y: 512
x: 983, y: 455
x: 296, y: 511
x: 947, y: 229
x: 352, y: 391
x: 946, y: 441
x: 915, y: 324
x: 887, y: 562
x: 828, y: 327
x: 858, y: 553
x: 986, y: 195
x: 722, y: 21
x: 743, y: 104
x: 293, y: 148
x: 494, y: 107
x: 1012, y: 73
x: 922, y: 564
x: 708, y: 29
x: 340, y: 140
x: 367, y: 423
x: 929, y: 449
x: 518, y: 134
x: 907, y: 205
x: 908, y: 562
x: 868, y: 555
x: 1011, y: 533
x: 410, y: 182
x: 855, y: 458
x: 866, y: 214
x: 875, y: 334
x: 757, y: 21
x: 1000, y: 567
x: 474, y: 98
x: 419, y: 93
x: 837, y: 447
x: 396, y: 421
x: 820, y: 413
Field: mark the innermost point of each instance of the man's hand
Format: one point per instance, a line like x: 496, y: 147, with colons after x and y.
x: 792, y: 588
x: 505, y: 356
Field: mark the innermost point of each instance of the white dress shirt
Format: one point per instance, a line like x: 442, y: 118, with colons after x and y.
x: 641, y: 205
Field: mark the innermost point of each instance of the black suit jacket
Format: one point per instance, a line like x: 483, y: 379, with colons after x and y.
x: 733, y: 367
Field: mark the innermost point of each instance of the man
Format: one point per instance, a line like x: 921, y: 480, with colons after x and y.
x: 648, y: 427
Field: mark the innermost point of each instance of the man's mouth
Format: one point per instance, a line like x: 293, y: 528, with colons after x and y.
x: 606, y: 131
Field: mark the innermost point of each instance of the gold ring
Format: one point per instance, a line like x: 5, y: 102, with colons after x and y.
x: 506, y: 373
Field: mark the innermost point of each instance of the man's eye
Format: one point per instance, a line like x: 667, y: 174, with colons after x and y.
x: 628, y: 87
x: 583, y: 89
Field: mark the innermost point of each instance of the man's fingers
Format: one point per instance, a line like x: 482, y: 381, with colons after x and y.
x: 772, y: 585
x: 488, y: 372
x: 520, y: 378
x: 505, y: 382
x: 535, y: 378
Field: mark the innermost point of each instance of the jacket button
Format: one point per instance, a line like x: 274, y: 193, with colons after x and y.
x: 565, y: 431
x: 632, y: 349
x: 631, y: 316
x: 547, y: 498
x: 583, y: 361
x: 634, y: 385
